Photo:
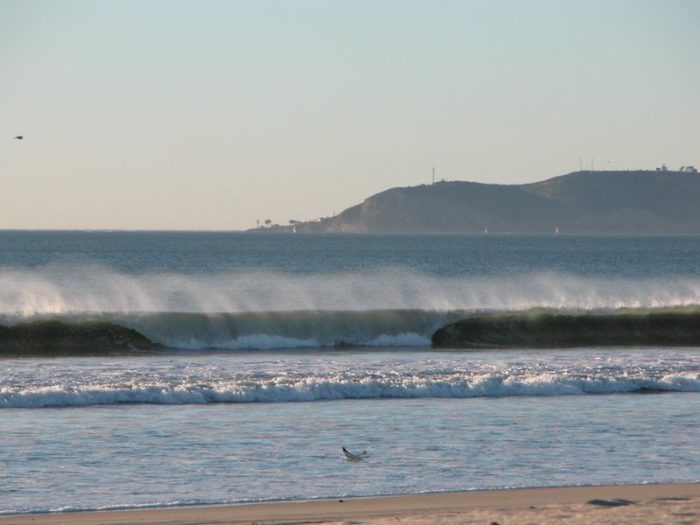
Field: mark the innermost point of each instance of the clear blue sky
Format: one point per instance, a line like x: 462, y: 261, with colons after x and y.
x: 208, y: 115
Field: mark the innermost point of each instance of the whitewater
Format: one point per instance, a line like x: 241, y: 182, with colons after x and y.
x: 310, y: 376
x: 264, y: 354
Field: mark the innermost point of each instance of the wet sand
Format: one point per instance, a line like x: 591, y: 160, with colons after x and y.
x: 668, y: 503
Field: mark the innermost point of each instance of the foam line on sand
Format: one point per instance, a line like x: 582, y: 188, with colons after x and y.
x: 662, y: 503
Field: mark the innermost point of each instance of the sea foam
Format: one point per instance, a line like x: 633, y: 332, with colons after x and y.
x: 295, y: 387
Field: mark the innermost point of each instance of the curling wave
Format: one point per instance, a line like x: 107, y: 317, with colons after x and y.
x: 102, y: 334
x: 57, y: 337
x: 551, y: 329
x: 85, y: 309
x: 86, y: 334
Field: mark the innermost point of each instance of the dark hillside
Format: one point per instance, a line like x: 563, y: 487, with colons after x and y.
x: 581, y: 202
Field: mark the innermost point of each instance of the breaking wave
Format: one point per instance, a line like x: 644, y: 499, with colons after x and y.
x: 113, y: 333
x: 159, y: 332
x: 547, y: 329
x: 96, y: 310
x: 350, y: 385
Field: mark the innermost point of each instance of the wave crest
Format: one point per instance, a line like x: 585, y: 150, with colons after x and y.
x: 64, y: 290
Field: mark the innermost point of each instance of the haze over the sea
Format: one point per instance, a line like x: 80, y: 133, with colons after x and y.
x: 210, y: 115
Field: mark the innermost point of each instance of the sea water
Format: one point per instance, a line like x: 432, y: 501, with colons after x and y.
x: 280, y: 349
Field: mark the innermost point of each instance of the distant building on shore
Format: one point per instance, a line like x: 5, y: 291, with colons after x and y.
x: 682, y: 169
x: 663, y: 168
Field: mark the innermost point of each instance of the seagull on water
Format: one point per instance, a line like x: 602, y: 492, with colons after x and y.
x: 353, y: 457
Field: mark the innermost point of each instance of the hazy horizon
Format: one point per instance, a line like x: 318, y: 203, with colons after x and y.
x: 174, y: 115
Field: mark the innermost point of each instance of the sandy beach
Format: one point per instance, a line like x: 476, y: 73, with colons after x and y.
x: 666, y: 503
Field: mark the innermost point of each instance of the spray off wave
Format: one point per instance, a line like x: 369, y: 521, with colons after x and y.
x: 59, y: 310
x: 60, y: 290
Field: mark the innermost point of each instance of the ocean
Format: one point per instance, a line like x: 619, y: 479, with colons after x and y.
x: 269, y: 352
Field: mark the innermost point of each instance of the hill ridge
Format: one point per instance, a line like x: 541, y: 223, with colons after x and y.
x: 584, y: 202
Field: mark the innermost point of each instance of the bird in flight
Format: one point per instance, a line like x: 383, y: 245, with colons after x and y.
x: 19, y: 137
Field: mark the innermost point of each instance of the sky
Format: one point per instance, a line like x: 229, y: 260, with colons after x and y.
x: 210, y: 115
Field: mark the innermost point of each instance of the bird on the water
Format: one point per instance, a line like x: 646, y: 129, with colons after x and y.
x: 354, y: 457
x: 19, y: 137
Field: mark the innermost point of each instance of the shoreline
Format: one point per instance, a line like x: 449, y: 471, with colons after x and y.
x: 649, y: 503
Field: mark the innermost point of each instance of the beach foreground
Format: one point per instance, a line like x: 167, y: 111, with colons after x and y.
x: 663, y: 503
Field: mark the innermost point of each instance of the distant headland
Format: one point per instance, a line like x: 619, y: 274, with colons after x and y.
x: 659, y: 201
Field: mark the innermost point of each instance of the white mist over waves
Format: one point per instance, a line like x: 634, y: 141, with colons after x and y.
x: 61, y: 290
